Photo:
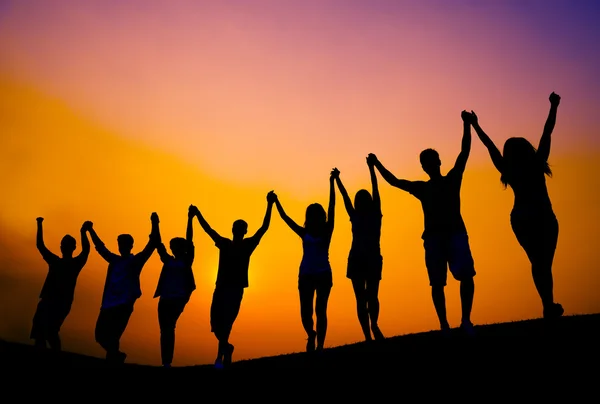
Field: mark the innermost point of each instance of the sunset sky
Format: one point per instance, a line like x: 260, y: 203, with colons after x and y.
x: 111, y: 110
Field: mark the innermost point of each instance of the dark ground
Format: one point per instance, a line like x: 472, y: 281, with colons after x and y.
x: 558, y: 359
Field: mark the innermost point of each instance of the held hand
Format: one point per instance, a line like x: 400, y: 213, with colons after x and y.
x: 271, y: 197
x: 466, y: 116
x: 474, y: 120
x: 39, y: 219
x: 87, y: 226
x: 335, y: 174
x: 372, y: 158
x: 192, y: 210
x: 154, y: 217
x: 554, y: 99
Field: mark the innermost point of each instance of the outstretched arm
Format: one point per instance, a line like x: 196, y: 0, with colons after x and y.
x: 299, y: 230
x: 41, y: 246
x: 465, y: 150
x: 99, y: 245
x: 85, y: 242
x: 160, y: 246
x: 374, y: 185
x: 206, y: 227
x: 335, y: 175
x: 487, y: 142
x: 267, y: 220
x: 153, y: 241
x: 545, y: 141
x: 391, y: 179
x: 345, y: 197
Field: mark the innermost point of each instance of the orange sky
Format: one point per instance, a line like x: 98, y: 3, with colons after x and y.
x: 164, y: 107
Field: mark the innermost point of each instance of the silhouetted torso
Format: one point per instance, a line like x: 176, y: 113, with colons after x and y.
x: 122, y: 278
x: 366, y: 234
x: 176, y: 277
x: 234, y: 261
x: 315, y: 256
x: 440, y: 199
x: 531, y: 193
x: 62, y: 277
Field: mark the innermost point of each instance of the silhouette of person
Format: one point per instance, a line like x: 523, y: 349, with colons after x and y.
x: 58, y: 290
x: 532, y: 218
x: 175, y: 286
x: 121, y: 288
x: 365, y: 262
x: 315, y: 275
x: 232, y: 277
x: 445, y: 237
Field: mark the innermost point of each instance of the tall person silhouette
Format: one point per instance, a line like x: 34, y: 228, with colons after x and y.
x: 315, y: 275
x: 232, y: 277
x: 524, y: 169
x: 58, y: 290
x: 365, y: 262
x: 175, y: 285
x: 445, y: 237
x: 121, y: 289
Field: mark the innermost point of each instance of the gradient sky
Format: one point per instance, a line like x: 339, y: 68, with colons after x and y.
x: 110, y: 110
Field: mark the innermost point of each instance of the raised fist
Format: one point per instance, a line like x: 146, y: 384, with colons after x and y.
x: 554, y: 99
x: 154, y: 217
x: 39, y: 219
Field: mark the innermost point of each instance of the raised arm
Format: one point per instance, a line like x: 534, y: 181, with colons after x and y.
x: 335, y: 174
x: 465, y: 149
x: 99, y: 245
x: 374, y: 184
x: 160, y: 246
x: 206, y: 227
x: 345, y: 197
x: 85, y: 242
x: 390, y: 178
x: 299, y: 230
x: 545, y: 141
x: 39, y: 242
x: 267, y: 220
x: 487, y: 142
x: 153, y: 239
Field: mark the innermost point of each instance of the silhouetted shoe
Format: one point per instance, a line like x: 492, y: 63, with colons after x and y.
x: 468, y: 329
x: 228, y: 355
x: 377, y: 333
x: 310, y: 344
x: 219, y: 364
x: 445, y: 331
x: 554, y: 311
x: 117, y: 358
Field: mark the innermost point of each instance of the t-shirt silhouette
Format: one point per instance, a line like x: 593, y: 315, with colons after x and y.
x: 440, y: 199
x: 176, y: 278
x: 234, y: 261
x: 62, y: 276
x: 366, y: 234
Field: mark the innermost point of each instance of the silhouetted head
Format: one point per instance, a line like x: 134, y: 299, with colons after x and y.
x: 316, y: 219
x: 68, y: 245
x: 430, y: 161
x: 520, y: 160
x: 239, y: 229
x: 125, y: 242
x: 363, y: 202
x: 178, y: 246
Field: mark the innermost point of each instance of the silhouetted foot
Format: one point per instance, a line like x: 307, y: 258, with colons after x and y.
x: 116, y: 358
x: 219, y: 364
x: 310, y: 344
x: 228, y: 355
x: 554, y: 311
x: 377, y: 333
x: 468, y: 329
